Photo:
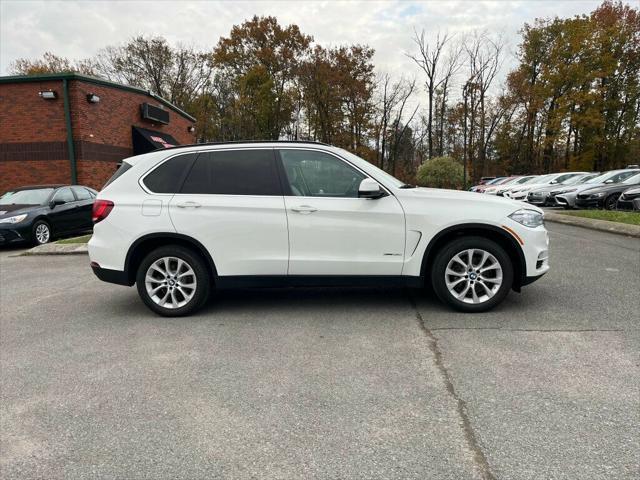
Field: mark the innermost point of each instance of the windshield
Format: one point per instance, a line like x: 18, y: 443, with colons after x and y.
x: 633, y: 180
x: 36, y: 196
x: 534, y: 179
x: 619, y: 176
x: 386, y: 178
x: 494, y: 181
x: 544, y: 179
x: 585, y: 179
x: 522, y: 180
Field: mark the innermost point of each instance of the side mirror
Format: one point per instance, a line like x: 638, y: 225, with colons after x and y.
x: 369, y: 188
x: 54, y: 203
x: 608, y: 181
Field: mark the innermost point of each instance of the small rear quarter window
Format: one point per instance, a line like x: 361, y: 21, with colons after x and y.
x: 121, y: 170
x: 169, y: 176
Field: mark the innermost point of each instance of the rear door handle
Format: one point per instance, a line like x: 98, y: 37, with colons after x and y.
x: 305, y: 209
x: 188, y: 205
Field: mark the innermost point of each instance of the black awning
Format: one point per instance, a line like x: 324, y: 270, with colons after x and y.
x: 145, y: 141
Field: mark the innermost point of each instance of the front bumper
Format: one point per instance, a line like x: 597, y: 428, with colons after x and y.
x: 11, y: 233
x: 538, y: 199
x: 566, y: 200
x: 589, y: 202
x: 631, y: 204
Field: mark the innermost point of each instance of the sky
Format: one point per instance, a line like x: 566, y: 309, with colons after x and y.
x: 78, y: 29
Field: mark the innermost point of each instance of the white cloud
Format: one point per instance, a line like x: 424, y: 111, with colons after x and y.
x: 79, y: 29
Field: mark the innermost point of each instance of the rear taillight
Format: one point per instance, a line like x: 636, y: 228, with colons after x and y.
x: 101, y: 209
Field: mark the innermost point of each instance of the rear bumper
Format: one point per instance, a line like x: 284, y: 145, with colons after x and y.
x: 111, y: 276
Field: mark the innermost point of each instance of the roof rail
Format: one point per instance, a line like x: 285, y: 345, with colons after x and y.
x: 237, y: 142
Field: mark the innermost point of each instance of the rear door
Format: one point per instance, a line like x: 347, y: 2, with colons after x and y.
x: 85, y: 206
x: 64, y: 215
x: 231, y: 202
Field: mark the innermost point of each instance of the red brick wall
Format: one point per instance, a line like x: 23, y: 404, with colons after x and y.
x: 13, y: 174
x: 101, y: 132
x: 25, y: 117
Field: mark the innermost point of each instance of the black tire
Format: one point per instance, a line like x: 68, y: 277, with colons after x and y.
x: 200, y: 272
x: 448, y: 252
x: 611, y: 201
x: 36, y: 235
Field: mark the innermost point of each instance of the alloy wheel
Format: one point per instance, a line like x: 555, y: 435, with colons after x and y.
x: 473, y: 276
x: 42, y: 233
x: 170, y: 282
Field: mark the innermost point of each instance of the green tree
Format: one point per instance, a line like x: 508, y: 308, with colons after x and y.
x: 440, y: 172
x: 261, y: 58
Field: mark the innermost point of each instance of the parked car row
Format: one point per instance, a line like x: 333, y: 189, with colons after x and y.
x: 615, y: 189
x: 37, y: 214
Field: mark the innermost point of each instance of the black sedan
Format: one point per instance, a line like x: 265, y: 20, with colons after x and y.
x: 606, y: 195
x: 36, y: 214
x: 630, y: 199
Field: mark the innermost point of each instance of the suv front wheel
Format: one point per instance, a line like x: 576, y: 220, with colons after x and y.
x: 173, y: 281
x: 472, y: 274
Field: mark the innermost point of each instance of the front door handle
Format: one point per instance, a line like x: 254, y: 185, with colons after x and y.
x: 305, y: 209
x: 188, y: 205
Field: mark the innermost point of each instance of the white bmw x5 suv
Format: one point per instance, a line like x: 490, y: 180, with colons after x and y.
x: 181, y: 221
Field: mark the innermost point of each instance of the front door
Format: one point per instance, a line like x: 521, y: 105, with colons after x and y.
x: 331, y: 230
x: 231, y: 202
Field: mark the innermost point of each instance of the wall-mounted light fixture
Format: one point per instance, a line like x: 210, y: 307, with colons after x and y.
x: 191, y: 129
x: 48, y: 94
x: 93, y: 98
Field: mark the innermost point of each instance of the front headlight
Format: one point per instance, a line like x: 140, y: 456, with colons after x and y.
x: 528, y: 218
x: 569, y: 190
x: 15, y: 219
x: 598, y: 195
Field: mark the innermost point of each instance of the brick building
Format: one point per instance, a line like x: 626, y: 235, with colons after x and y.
x: 71, y: 128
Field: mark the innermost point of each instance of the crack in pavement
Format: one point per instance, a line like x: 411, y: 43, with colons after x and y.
x: 478, y: 456
x: 549, y: 330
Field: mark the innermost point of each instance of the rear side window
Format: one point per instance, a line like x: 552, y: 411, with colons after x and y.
x: 168, y: 177
x: 65, y: 195
x: 122, y: 169
x: 234, y: 172
x: 82, y: 193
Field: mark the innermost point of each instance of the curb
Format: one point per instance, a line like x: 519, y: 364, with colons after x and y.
x: 600, y: 225
x: 58, y: 249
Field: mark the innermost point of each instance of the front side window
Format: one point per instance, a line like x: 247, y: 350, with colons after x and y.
x: 168, y: 177
x: 64, y: 195
x: 234, y: 172
x: 318, y: 174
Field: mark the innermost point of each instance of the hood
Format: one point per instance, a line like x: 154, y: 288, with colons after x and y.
x: 16, y: 209
x: 608, y: 187
x: 551, y: 188
x: 576, y: 188
x: 469, y: 198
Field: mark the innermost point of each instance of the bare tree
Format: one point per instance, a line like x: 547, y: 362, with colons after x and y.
x: 392, y: 98
x: 484, y: 58
x: 429, y: 60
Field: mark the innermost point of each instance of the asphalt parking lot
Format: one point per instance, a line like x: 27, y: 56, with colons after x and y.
x: 324, y: 383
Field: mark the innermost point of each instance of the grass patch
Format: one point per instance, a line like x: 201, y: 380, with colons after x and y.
x: 82, y: 239
x: 631, y: 218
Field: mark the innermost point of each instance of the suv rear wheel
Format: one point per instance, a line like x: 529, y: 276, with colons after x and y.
x: 472, y: 274
x: 173, y: 281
